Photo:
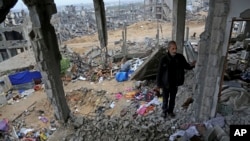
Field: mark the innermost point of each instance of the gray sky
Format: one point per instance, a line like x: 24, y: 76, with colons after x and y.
x: 20, y: 4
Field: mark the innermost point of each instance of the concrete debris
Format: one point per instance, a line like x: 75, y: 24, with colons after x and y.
x: 19, y: 62
x: 76, y: 21
x: 130, y: 125
x: 236, y: 85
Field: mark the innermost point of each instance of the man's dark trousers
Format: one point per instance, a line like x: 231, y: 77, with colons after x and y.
x: 168, y: 105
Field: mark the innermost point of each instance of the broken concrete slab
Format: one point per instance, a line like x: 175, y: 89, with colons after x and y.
x: 149, y: 67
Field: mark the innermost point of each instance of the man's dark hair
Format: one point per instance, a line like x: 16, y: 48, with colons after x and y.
x: 171, y: 43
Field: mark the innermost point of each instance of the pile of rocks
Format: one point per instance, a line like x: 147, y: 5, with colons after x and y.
x: 152, y: 127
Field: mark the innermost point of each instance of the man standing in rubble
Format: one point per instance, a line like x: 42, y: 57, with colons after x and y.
x: 170, y: 76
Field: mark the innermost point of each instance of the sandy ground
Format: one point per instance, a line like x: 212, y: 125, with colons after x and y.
x: 136, y: 32
x: 38, y: 102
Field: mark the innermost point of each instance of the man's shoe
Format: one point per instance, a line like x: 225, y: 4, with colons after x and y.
x: 164, y: 115
x: 172, y: 115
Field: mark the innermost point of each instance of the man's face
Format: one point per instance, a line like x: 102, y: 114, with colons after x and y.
x: 172, y: 49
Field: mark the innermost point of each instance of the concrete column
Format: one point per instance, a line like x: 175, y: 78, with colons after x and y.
x: 211, y: 59
x: 187, y: 33
x: 178, y: 23
x: 102, y: 29
x: 45, y: 47
x: 9, y: 53
x: 247, y: 29
x: 1, y: 57
x: 26, y: 37
x: 3, y: 36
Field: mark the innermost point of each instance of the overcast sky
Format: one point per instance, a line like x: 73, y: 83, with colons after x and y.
x: 20, y: 4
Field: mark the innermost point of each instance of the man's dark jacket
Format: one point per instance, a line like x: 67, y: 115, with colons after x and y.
x: 171, y: 70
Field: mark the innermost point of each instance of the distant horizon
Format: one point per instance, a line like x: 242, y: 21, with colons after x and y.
x: 20, y: 5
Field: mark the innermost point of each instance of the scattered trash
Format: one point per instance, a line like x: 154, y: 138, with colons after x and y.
x: 155, y: 101
x: 142, y: 110
x: 118, y: 96
x: 121, y: 76
x: 219, y: 120
x: 187, y: 134
x: 43, y: 119
x: 4, y: 125
x: 100, y: 79
x: 27, y: 92
x: 82, y: 78
x: 131, y: 94
x: 112, y: 105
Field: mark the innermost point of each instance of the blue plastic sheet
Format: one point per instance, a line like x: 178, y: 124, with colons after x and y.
x: 24, y: 77
x: 121, y: 76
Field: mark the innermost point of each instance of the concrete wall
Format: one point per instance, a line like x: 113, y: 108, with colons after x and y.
x: 5, y: 84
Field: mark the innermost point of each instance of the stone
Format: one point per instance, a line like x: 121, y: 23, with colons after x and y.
x: 125, y: 124
x: 78, y: 122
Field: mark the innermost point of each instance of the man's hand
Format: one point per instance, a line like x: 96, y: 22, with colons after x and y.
x: 157, y: 91
x: 193, y: 63
x: 157, y: 88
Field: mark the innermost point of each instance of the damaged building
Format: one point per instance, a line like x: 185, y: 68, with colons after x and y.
x: 162, y: 9
x: 14, y: 35
x: 221, y: 75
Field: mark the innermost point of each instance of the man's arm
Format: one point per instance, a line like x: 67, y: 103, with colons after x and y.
x: 187, y: 65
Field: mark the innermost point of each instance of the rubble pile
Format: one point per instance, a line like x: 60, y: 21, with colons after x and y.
x: 238, y: 62
x: 196, y: 17
x: 86, y: 102
x: 105, y: 128
x: 73, y: 22
x: 76, y: 21
x: 234, y: 99
x: 234, y: 103
x: 139, y: 120
x: 88, y: 65
x: 133, y: 124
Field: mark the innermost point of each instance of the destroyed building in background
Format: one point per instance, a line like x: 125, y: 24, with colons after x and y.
x: 159, y: 9
x: 14, y: 35
x: 162, y: 9
x: 75, y: 21
x: 78, y: 20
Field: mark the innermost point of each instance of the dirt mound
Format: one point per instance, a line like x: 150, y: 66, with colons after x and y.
x: 86, y: 102
x: 87, y: 38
